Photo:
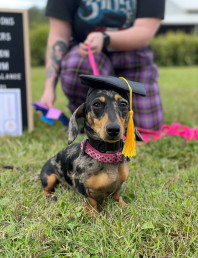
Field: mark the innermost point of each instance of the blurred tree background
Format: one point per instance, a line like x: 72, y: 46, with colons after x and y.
x: 36, y: 17
x: 170, y: 48
x: 38, y: 32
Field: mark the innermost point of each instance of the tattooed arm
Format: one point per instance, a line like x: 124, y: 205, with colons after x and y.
x: 58, y: 41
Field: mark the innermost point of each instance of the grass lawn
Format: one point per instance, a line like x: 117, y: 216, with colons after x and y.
x: 161, y: 219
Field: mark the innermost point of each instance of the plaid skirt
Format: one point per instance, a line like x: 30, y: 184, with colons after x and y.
x: 134, y: 65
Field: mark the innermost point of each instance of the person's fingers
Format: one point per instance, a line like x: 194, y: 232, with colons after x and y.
x: 48, y: 98
x: 83, y: 46
x: 95, y: 48
x: 83, y: 51
x: 47, y: 103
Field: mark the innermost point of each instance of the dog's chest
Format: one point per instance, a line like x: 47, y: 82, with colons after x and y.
x: 104, y: 178
x: 107, y: 180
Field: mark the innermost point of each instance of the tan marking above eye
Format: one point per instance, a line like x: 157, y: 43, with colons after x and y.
x: 117, y: 97
x: 102, y: 99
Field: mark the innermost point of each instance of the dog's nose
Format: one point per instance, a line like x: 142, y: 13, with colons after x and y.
x: 113, y: 129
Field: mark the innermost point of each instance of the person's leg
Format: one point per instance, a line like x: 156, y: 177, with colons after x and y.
x: 138, y: 66
x: 72, y: 66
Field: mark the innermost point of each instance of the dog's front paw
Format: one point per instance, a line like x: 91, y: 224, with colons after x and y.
x: 121, y: 202
x: 91, y: 207
x: 52, y: 197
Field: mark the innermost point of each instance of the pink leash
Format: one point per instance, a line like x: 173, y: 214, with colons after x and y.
x: 92, y: 61
x: 174, y: 129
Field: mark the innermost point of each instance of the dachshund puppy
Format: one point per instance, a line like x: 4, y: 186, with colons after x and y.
x: 95, y: 168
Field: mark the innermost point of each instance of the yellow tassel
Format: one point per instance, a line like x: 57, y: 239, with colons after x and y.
x: 129, y: 146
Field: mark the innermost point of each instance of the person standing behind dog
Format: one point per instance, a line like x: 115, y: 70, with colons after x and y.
x: 119, y: 32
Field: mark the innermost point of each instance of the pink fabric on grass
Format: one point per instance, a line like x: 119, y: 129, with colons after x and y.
x: 53, y: 113
x: 175, y: 129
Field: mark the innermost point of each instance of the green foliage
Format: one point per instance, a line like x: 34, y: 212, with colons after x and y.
x: 39, y: 27
x: 38, y: 43
x: 36, y: 16
x: 161, y: 219
x: 175, y: 49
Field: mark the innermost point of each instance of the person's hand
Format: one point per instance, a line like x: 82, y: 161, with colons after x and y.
x: 96, y: 41
x: 48, y: 97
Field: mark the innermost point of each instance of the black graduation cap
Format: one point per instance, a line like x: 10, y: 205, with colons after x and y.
x: 112, y: 83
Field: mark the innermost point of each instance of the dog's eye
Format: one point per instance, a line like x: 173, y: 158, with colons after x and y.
x: 97, y: 104
x: 123, y: 104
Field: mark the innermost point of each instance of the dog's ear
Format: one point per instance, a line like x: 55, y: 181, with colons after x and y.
x: 138, y: 135
x: 73, y: 126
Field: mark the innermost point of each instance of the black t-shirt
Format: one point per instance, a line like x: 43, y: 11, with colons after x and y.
x: 92, y: 15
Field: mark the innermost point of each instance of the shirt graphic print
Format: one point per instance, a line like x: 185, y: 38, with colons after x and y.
x: 111, y: 13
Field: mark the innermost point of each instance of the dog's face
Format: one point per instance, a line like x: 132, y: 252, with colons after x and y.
x: 106, y: 116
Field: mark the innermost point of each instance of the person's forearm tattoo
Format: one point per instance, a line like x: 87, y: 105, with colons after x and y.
x: 58, y: 51
x: 55, y: 54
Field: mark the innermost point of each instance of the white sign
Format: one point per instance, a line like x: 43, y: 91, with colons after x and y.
x: 10, y: 112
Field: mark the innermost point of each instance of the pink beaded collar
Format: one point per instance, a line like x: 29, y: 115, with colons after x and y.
x: 102, y: 157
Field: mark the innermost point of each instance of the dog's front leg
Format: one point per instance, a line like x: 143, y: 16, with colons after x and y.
x: 123, y: 172
x: 118, y: 198
x: 91, y: 206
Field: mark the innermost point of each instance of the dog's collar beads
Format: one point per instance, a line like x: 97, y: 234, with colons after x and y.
x: 102, y: 157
